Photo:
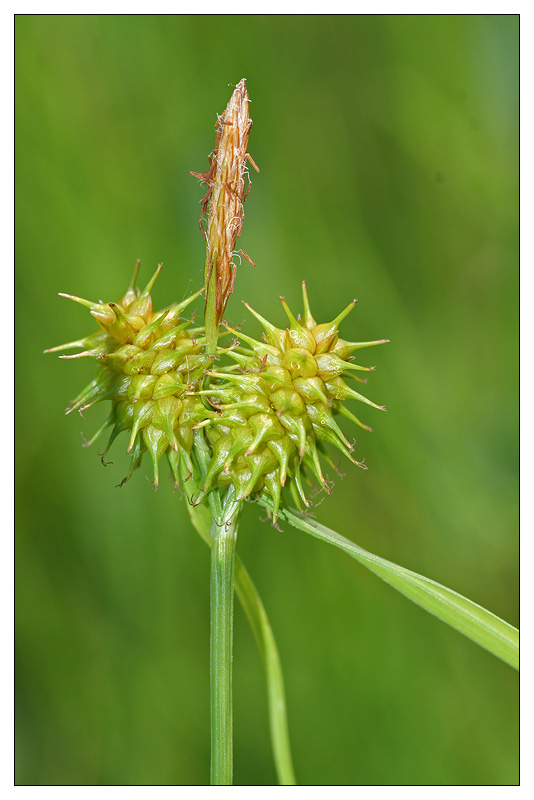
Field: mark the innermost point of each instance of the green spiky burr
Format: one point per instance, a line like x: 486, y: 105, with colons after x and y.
x: 149, y: 365
x: 276, y: 414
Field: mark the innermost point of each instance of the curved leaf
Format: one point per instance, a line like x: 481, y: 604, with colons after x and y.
x: 475, y: 622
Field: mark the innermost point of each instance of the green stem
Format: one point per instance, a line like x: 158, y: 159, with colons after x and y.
x: 223, y: 536
x: 210, y: 314
x: 201, y: 516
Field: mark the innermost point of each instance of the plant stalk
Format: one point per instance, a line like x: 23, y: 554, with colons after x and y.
x: 201, y: 516
x: 223, y: 534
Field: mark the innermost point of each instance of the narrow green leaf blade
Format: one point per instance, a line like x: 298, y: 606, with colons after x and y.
x: 259, y: 622
x: 475, y: 622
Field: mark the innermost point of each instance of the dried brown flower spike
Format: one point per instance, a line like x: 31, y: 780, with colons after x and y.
x: 223, y: 203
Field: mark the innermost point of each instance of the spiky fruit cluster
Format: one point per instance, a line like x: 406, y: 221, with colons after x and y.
x: 277, y: 413
x: 266, y: 416
x: 149, y: 362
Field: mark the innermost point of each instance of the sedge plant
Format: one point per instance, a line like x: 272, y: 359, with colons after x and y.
x: 241, y: 419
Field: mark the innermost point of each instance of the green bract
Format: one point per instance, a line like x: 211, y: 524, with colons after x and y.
x: 267, y: 408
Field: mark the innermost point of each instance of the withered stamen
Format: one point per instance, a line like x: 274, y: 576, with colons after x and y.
x: 224, y: 204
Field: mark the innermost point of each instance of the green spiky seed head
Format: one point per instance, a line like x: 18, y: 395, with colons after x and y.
x: 148, y: 364
x: 256, y: 414
x: 266, y: 408
x: 276, y: 414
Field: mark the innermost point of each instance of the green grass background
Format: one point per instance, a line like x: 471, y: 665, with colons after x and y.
x: 389, y: 157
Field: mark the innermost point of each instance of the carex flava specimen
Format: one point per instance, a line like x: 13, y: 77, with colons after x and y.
x: 266, y: 408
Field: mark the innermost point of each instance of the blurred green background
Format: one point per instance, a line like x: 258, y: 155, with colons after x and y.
x: 389, y: 156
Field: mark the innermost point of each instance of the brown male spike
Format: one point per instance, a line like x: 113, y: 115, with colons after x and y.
x: 223, y: 203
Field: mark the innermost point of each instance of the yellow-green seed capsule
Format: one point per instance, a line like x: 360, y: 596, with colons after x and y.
x: 148, y: 362
x: 281, y: 405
